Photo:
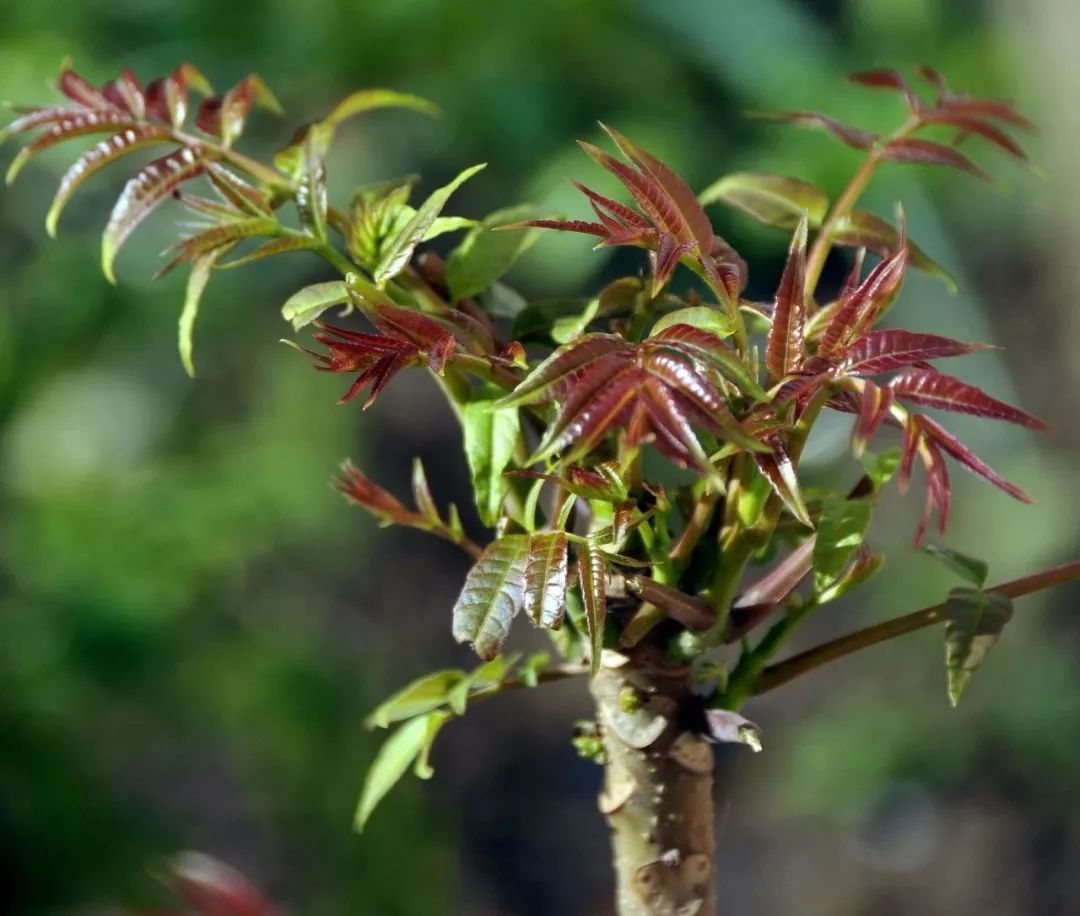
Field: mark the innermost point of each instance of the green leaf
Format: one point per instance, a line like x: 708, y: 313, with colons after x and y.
x: 201, y: 269
x: 410, y: 743
x: 492, y: 595
x: 490, y: 435
x: 423, y: 695
x: 593, y: 579
x: 775, y: 200
x: 399, y: 249
x: 975, y: 622
x: 486, y: 253
x: 697, y: 316
x: 307, y: 304
x: 861, y: 570
x: 489, y: 674
x: 445, y: 224
x: 973, y: 570
x: 880, y: 466
x: 371, y: 99
x: 861, y: 229
x: 532, y: 666
x: 841, y: 528
x: 571, y: 327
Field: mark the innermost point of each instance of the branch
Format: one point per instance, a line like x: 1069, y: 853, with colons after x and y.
x: 779, y: 674
x: 543, y: 676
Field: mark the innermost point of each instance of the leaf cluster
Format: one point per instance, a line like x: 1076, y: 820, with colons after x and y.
x: 565, y: 406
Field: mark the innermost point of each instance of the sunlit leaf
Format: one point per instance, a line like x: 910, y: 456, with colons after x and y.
x: 487, y: 252
x: 306, y: 305
x: 142, y: 194
x: 372, y: 99
x: 96, y: 158
x: 775, y: 200
x: 490, y: 434
x: 677, y: 191
x: 883, y: 351
x: 593, y: 580
x: 421, y: 696
x: 546, y: 578
x: 841, y: 528
x: 786, y: 345
x: 405, y: 747
x: 201, y: 269
x: 399, y: 249
x: 974, y: 622
x: 780, y: 472
x: 934, y: 389
x: 698, y: 316
x: 492, y: 595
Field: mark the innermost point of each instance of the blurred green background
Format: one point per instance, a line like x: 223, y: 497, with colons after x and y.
x: 192, y: 625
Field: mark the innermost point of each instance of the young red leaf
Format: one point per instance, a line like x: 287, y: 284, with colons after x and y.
x: 785, y: 348
x: 360, y: 490
x: 142, y: 194
x: 691, y: 612
x: 682, y: 198
x: 492, y: 595
x: 563, y: 225
x: 233, y: 189
x: 874, y: 405
x: 780, y: 472
x: 933, y: 389
x: 591, y: 410
x: 225, y: 116
x: 212, y: 888
x: 593, y: 578
x: 78, y: 124
x: 606, y: 209
x: 556, y: 375
x: 970, y: 124
x: 694, y: 391
x: 866, y: 302
x: 852, y: 136
x: 961, y: 453
x: 938, y: 490
x: 190, y: 248
x: 708, y: 348
x: 665, y: 259
x: 885, y: 79
x: 884, y: 351
x: 545, y: 579
x: 987, y: 108
x: 930, y: 152
x: 96, y: 158
x: 126, y: 92
x: 80, y: 91
x: 650, y: 195
x: 670, y: 425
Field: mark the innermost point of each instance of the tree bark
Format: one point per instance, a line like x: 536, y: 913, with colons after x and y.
x: 658, y: 779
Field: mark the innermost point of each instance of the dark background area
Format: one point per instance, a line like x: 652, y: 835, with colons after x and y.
x: 193, y: 626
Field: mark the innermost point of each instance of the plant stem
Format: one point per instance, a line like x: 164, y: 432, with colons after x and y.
x: 819, y: 251
x: 789, y: 669
x: 657, y: 794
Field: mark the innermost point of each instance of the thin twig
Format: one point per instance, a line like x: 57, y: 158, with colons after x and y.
x: 776, y: 675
